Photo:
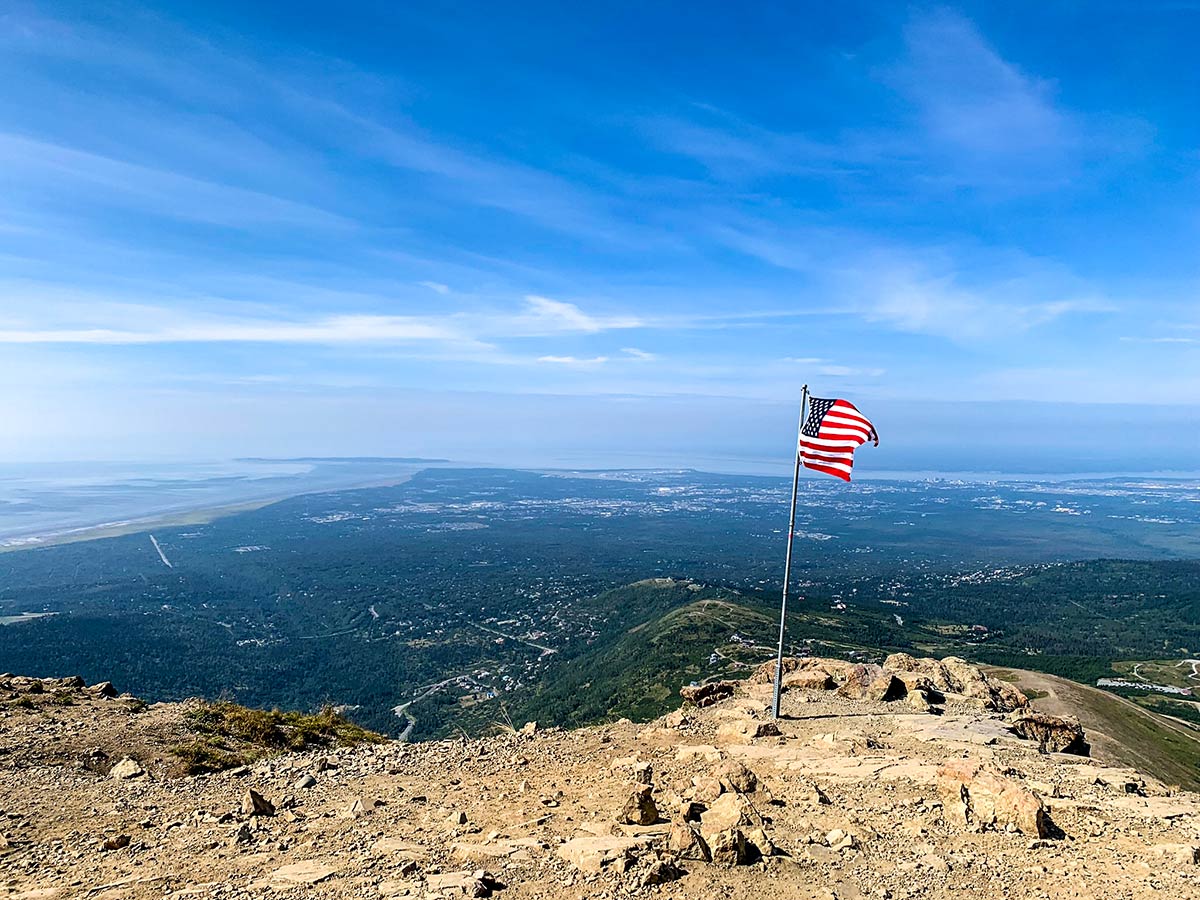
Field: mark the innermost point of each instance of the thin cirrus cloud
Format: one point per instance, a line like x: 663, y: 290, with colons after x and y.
x: 970, y: 98
x: 831, y: 370
x: 329, y: 330
x: 573, y: 361
x: 537, y: 317
x: 70, y: 177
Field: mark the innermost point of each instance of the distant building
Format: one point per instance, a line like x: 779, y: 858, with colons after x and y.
x: 1144, y: 686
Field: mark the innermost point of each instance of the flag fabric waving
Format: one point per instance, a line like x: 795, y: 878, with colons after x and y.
x: 832, y: 432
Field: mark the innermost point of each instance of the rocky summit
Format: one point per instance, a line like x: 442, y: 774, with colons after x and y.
x: 916, y: 778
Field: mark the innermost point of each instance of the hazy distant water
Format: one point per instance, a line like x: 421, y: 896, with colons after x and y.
x: 40, y: 500
x: 781, y: 466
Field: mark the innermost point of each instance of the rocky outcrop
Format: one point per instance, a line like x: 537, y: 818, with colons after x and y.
x: 956, y: 676
x: 707, y: 694
x: 1054, y: 734
x: 900, y: 676
x: 872, y: 683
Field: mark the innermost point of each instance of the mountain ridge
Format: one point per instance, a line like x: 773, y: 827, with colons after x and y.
x: 845, y: 796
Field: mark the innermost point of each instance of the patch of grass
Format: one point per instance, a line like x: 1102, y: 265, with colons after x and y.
x: 211, y: 756
x: 233, y: 735
x: 276, y: 730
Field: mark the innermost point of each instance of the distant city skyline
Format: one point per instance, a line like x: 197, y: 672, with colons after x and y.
x: 511, y: 235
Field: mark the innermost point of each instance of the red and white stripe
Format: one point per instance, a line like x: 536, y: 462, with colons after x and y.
x: 842, y: 431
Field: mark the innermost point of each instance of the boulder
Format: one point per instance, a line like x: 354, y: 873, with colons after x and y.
x: 953, y: 675
x: 977, y: 796
x: 117, y: 842
x: 705, y: 789
x: 920, y: 700
x: 689, y: 811
x: 924, y: 673
x: 735, y: 776
x: 743, y: 731
x: 913, y: 681
x: 837, y: 839
x: 759, y: 843
x: 708, y: 694
x: 973, y: 683
x: 255, y: 804
x: 639, y: 809
x: 886, y: 688
x: 103, y: 689
x: 127, y: 767
x: 598, y: 854
x: 729, y: 848
x: 726, y: 812
x: 1054, y: 734
x: 794, y: 666
x: 808, y: 680
x: 660, y: 872
x: 868, y: 682
x: 687, y: 843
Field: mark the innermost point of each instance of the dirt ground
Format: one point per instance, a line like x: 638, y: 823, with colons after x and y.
x: 846, y: 802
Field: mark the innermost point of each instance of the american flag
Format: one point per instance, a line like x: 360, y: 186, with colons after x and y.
x: 832, y: 432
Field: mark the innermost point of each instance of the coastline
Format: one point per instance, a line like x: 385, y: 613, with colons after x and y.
x: 202, y: 515
x: 207, y: 513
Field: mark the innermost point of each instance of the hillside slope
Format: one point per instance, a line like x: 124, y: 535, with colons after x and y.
x: 1121, y: 732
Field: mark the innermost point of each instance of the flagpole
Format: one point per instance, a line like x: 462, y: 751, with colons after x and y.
x: 787, y: 565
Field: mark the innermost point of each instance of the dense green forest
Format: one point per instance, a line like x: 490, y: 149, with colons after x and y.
x: 464, y: 596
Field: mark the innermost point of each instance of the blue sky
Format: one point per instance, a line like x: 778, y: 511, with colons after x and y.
x: 529, y: 231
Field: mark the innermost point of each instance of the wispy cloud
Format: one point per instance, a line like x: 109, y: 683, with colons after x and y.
x: 98, y: 319
x: 970, y: 99
x: 331, y: 330
x: 574, y: 361
x: 67, y: 177
x: 635, y: 353
x: 831, y: 370
x: 910, y: 297
x: 436, y: 286
x: 546, y: 316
